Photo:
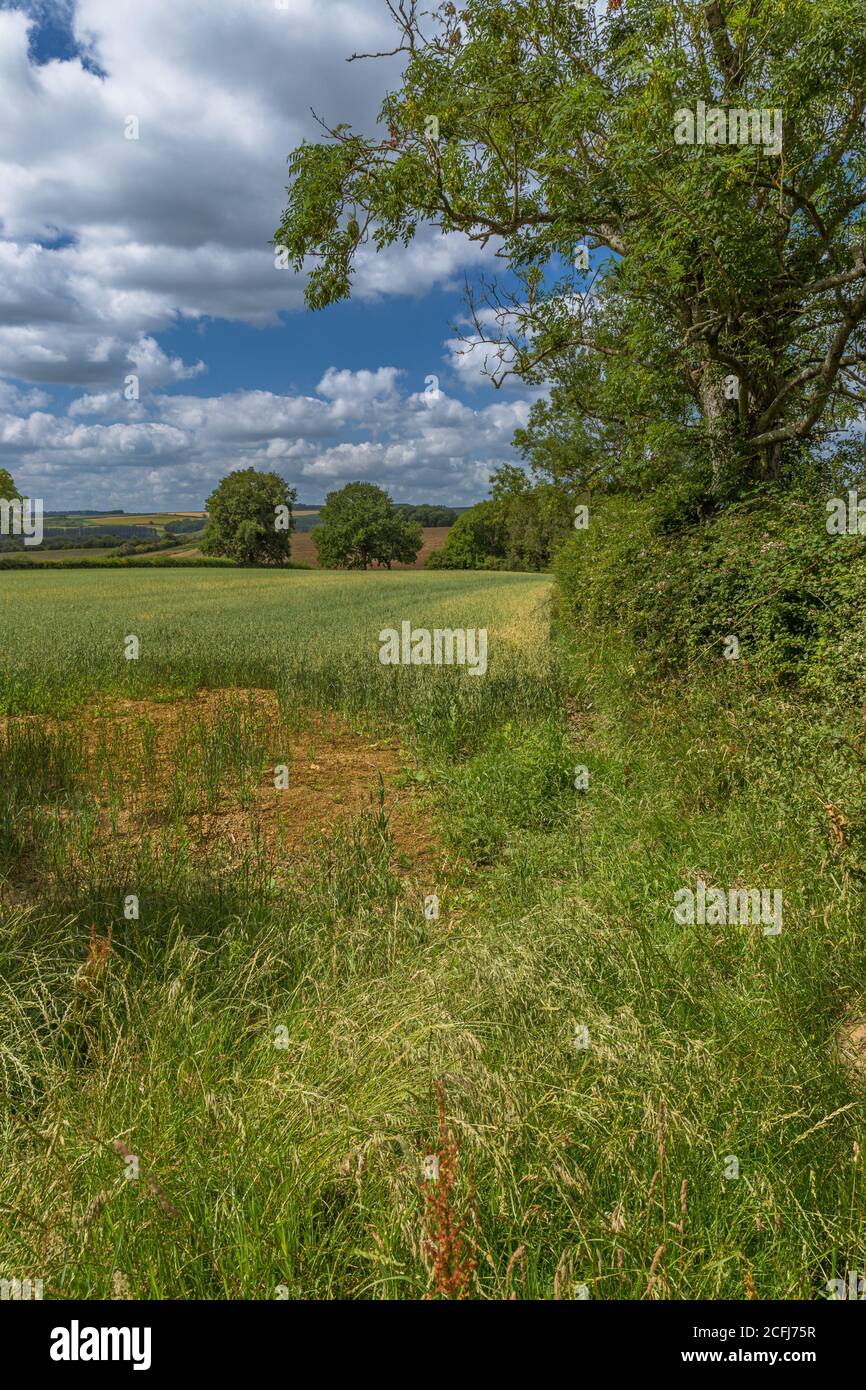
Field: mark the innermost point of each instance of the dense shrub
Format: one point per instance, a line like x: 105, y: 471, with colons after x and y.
x: 765, y: 571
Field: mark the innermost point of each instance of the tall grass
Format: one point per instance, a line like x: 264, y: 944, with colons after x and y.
x: 281, y: 1053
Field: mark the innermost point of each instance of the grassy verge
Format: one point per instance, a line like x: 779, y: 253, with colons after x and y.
x: 284, y: 1058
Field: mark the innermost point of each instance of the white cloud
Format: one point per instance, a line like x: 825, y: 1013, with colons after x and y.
x: 446, y: 449
x: 177, y: 222
x: 138, y: 236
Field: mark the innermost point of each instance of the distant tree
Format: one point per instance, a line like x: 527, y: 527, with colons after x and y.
x: 250, y: 518
x: 360, y: 526
x: 428, y: 514
x: 8, y: 490
x: 535, y: 517
x: 516, y: 529
x: 478, y: 536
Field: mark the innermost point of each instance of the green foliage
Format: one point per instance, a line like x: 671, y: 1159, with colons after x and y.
x: 535, y: 518
x: 519, y: 780
x: 765, y: 570
x: 360, y: 527
x: 23, y: 561
x: 427, y: 514
x: 476, y: 538
x: 557, y: 128
x: 243, y: 514
x: 517, y: 529
x: 8, y: 490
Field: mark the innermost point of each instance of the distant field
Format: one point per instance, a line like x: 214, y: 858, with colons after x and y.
x: 87, y: 552
x: 123, y: 519
x: 304, y: 550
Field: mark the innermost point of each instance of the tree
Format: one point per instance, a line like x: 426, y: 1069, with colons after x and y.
x: 250, y: 518
x: 729, y: 254
x: 536, y: 518
x: 428, y: 514
x: 8, y: 490
x: 360, y: 526
x: 477, y: 535
x: 516, y: 529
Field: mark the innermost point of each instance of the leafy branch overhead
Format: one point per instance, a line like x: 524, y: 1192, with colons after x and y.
x: 537, y: 127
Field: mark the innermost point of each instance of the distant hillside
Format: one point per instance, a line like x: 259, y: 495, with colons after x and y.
x: 76, y: 534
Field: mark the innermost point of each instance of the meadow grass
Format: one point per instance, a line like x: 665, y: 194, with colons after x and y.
x: 282, y: 1052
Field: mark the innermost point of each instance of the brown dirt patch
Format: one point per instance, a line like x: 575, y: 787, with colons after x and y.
x: 202, y: 771
x: 851, y: 1041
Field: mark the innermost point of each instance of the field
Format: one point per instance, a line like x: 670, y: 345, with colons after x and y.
x: 132, y: 519
x: 303, y: 550
x: 286, y: 933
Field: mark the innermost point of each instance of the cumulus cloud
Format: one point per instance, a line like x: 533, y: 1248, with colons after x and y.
x: 416, y: 447
x: 107, y: 241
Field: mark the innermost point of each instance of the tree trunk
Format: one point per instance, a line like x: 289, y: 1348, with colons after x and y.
x: 718, y: 420
x: 771, y: 461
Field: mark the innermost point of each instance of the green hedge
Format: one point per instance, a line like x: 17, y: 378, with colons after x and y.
x: 765, y: 571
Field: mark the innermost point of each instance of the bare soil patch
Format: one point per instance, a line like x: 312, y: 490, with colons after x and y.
x: 203, y: 771
x: 851, y: 1041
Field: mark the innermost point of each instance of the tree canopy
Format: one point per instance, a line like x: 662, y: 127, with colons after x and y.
x: 724, y: 294
x: 517, y: 528
x: 428, y: 513
x: 250, y: 518
x: 8, y: 490
x: 360, y: 526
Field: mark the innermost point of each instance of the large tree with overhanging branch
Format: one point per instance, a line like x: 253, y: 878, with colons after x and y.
x: 728, y: 282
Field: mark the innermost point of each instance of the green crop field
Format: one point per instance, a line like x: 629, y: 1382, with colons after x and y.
x: 323, y: 978
x: 62, y: 635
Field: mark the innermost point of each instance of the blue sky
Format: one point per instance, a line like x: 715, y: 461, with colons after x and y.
x: 151, y: 257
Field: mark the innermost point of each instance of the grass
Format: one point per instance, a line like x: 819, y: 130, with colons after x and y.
x: 312, y: 637
x: 283, y: 1050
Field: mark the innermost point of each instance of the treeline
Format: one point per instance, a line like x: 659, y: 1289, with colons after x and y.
x: 144, y: 539
x: 78, y: 536
x: 518, y: 528
x: 12, y: 543
x: 20, y: 562
x: 428, y: 514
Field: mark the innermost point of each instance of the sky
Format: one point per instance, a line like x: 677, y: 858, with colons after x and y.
x: 152, y: 257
